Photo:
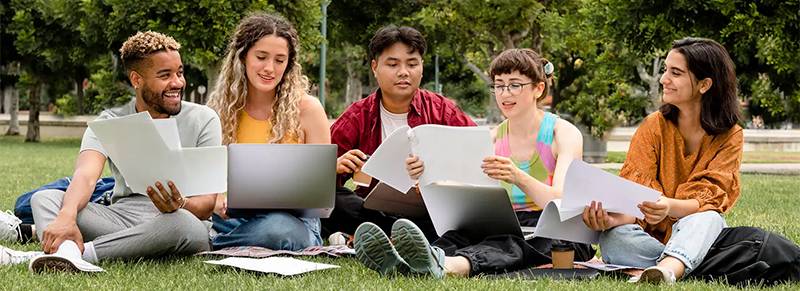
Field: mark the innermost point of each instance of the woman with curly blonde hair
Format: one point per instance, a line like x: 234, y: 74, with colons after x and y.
x: 261, y: 97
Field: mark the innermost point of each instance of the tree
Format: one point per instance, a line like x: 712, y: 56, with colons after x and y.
x: 9, y: 68
x: 479, y: 31
x: 762, y: 37
x: 202, y: 27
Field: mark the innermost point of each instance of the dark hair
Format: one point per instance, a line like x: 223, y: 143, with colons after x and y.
x: 258, y: 25
x: 524, y: 60
x: 705, y: 58
x: 389, y: 35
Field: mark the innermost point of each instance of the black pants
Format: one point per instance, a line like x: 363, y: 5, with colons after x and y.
x: 505, y: 253
x: 349, y: 212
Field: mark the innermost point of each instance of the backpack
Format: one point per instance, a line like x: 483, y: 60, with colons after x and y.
x: 102, y: 195
x: 750, y: 255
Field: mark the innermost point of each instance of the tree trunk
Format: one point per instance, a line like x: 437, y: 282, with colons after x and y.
x: 13, y: 111
x: 79, y: 95
x: 354, y: 89
x: 652, y: 79
x: 33, y: 115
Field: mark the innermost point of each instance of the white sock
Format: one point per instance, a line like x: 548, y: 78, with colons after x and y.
x: 69, y: 248
x: 89, y: 254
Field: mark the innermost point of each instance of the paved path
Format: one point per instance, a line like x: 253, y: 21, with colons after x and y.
x: 772, y: 169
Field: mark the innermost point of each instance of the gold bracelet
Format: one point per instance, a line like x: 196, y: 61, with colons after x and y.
x: 183, y: 202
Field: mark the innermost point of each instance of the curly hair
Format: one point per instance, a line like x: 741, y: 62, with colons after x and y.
x: 229, y: 96
x: 143, y: 44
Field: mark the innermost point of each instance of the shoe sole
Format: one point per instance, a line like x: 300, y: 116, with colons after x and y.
x: 413, y: 247
x: 375, y: 250
x: 52, y: 264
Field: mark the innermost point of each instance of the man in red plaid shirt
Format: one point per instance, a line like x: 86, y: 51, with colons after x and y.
x: 397, y: 57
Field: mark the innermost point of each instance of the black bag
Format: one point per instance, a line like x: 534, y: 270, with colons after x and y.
x: 750, y: 255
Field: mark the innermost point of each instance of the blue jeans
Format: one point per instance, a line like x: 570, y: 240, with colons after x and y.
x: 692, y: 237
x: 273, y: 230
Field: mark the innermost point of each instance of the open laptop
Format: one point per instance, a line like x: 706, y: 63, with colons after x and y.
x: 299, y: 178
x: 475, y: 211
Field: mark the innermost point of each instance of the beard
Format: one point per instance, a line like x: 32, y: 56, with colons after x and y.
x: 155, y: 101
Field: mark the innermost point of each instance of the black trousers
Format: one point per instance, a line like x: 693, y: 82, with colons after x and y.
x: 349, y: 212
x: 505, y: 253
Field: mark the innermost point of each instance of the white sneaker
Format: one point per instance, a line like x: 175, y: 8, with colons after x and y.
x: 9, y: 226
x: 66, y: 259
x: 340, y: 239
x: 655, y: 275
x: 12, y: 257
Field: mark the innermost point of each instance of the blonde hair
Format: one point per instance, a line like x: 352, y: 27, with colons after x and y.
x: 229, y: 96
x: 142, y: 45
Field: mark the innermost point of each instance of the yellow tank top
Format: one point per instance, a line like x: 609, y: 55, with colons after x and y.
x: 251, y: 130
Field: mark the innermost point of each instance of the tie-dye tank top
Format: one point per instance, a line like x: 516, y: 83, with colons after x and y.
x: 541, y: 165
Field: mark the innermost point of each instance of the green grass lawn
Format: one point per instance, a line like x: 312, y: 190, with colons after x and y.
x: 767, y: 201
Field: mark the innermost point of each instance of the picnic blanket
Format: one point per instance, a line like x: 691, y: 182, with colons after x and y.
x: 259, y: 252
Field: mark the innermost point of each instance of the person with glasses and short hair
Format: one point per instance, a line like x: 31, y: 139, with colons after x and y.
x: 533, y: 150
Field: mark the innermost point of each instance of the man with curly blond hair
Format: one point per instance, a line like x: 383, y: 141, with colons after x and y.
x: 76, y: 234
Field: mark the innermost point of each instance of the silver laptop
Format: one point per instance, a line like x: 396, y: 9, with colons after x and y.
x: 299, y: 178
x: 475, y: 211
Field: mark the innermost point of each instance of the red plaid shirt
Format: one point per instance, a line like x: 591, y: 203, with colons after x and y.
x: 359, y: 127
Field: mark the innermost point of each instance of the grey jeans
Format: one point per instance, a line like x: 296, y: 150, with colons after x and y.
x: 692, y: 237
x: 130, y: 228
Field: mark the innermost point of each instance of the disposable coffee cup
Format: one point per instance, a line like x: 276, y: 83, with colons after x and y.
x: 563, y: 256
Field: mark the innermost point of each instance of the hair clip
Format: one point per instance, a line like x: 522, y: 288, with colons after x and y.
x: 548, y: 69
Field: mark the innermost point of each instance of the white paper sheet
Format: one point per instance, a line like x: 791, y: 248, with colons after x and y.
x: 278, y: 265
x: 388, y: 162
x: 605, y: 267
x: 585, y: 183
x: 168, y: 129
x: 553, y: 225
x: 143, y: 157
x: 452, y: 153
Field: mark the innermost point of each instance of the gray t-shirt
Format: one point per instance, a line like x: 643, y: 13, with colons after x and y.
x: 198, y: 126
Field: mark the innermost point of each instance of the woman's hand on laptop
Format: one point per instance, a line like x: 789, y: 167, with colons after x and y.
x: 414, y: 166
x: 166, y: 201
x: 350, y: 162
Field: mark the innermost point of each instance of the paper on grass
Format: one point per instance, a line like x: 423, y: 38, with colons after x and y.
x: 452, y: 153
x: 605, y: 267
x: 143, y: 156
x: 585, y: 183
x: 278, y: 265
x: 388, y: 162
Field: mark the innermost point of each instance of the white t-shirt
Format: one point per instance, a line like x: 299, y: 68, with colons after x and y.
x: 391, y: 121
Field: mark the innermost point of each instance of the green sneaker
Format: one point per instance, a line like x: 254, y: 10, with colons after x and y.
x: 413, y: 247
x: 375, y: 250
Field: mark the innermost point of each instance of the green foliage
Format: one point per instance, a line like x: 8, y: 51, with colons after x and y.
x: 66, y: 105
x: 106, y: 91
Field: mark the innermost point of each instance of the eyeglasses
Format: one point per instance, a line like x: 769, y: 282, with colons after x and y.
x: 513, y: 88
